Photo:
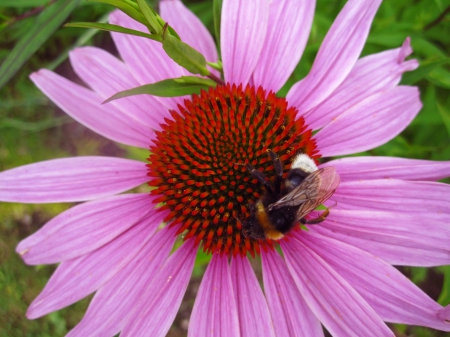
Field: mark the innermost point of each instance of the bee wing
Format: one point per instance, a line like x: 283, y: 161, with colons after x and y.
x: 313, y: 191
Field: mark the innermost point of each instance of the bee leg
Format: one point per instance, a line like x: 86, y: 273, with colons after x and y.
x: 278, y: 166
x: 250, y: 228
x: 317, y: 220
x: 260, y: 177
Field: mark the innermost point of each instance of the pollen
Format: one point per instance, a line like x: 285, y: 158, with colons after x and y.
x: 197, y: 162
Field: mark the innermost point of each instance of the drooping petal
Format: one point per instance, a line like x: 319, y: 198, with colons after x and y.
x: 191, y: 30
x: 253, y: 313
x: 146, y: 59
x: 370, y: 123
x: 86, y: 107
x: 400, y: 239
x: 287, y: 33
x: 215, y: 311
x: 111, y: 305
x: 159, y: 302
x: 366, y: 168
x: 290, y: 313
x: 331, y: 298
x: 77, y: 278
x: 337, y: 55
x: 420, y: 198
x: 71, y: 179
x: 86, y: 227
x: 242, y: 34
x: 371, y: 74
x: 393, y: 296
x: 106, y: 75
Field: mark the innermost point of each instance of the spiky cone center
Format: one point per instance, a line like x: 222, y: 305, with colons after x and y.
x: 196, y: 162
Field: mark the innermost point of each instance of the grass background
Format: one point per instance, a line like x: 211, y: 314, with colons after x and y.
x: 32, y: 129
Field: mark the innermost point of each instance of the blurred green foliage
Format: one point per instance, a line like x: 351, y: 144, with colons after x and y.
x: 32, y: 129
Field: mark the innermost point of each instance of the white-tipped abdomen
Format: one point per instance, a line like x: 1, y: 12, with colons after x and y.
x: 304, y: 162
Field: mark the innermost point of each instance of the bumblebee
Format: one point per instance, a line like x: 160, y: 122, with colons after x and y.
x: 282, y: 207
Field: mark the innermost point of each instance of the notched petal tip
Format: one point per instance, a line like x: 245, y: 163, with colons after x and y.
x: 23, y: 246
x: 35, y: 74
x: 23, y: 252
x: 81, y: 54
x: 405, y: 50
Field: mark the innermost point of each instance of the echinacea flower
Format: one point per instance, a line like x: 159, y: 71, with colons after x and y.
x: 339, y: 273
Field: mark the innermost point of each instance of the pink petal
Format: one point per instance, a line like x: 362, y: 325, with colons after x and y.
x: 331, y: 298
x: 366, y: 168
x: 400, y: 239
x: 290, y: 313
x: 146, y: 59
x: 108, y: 310
x: 372, y: 122
x: 253, y: 313
x: 189, y: 27
x: 444, y: 314
x: 159, y: 302
x: 419, y: 198
x: 106, y: 75
x: 86, y: 227
x: 242, y: 34
x: 337, y: 55
x: 86, y: 107
x: 393, y: 296
x: 371, y: 74
x: 215, y: 311
x: 77, y: 278
x: 71, y: 179
x: 290, y: 24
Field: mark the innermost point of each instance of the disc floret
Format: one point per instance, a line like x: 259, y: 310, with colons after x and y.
x: 197, y: 162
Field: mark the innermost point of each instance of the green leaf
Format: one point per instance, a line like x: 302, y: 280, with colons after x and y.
x: 186, y: 56
x: 217, y: 10
x: 440, y: 77
x: 418, y: 74
x: 112, y: 28
x: 428, y: 116
x: 135, y: 153
x: 152, y: 18
x: 34, y: 126
x: 23, y: 3
x: 30, y: 3
x: 422, y: 46
x: 418, y: 274
x: 444, y: 297
x: 201, y: 261
x: 44, y: 26
x: 81, y: 41
x: 439, y: 4
x: 387, y: 39
x: 129, y: 8
x: 173, y: 32
x: 216, y: 65
x: 174, y: 87
x: 195, y: 80
x: 445, y: 114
